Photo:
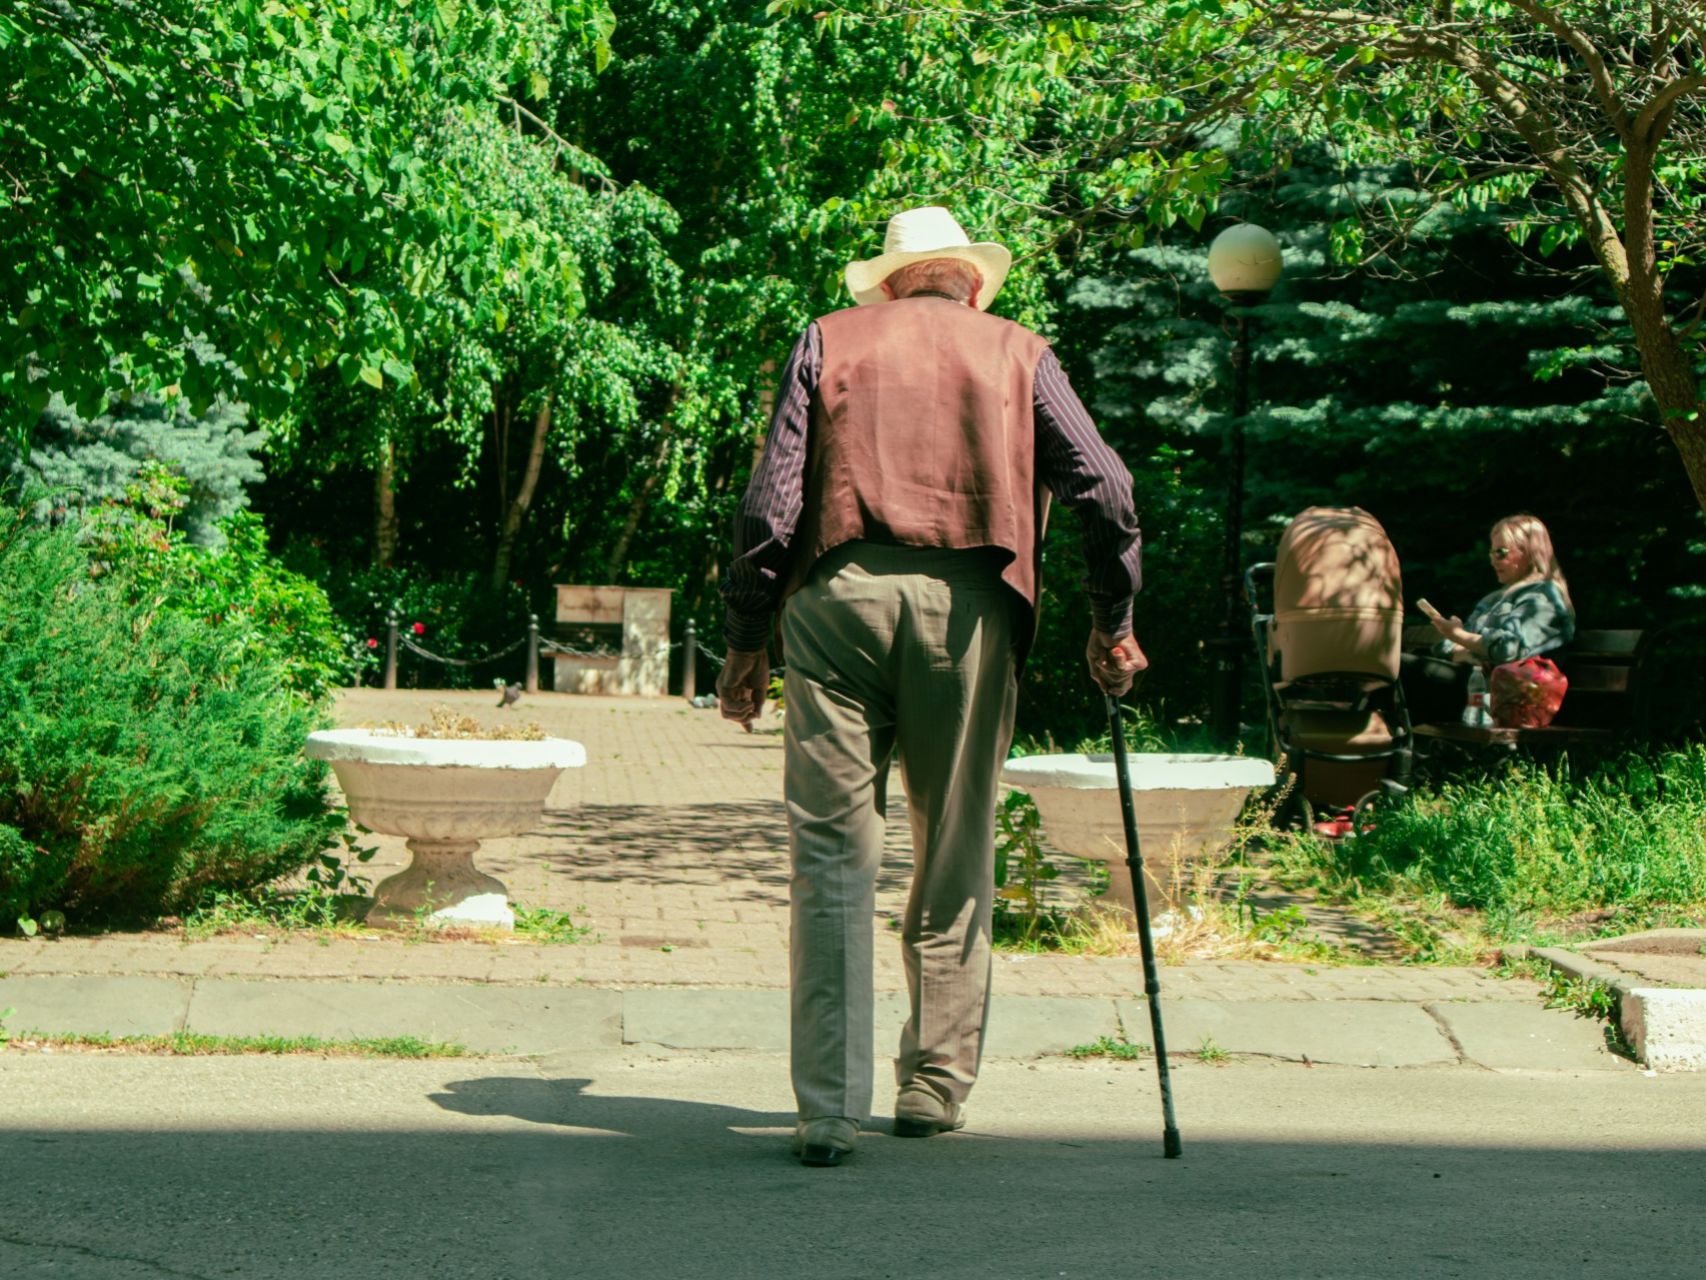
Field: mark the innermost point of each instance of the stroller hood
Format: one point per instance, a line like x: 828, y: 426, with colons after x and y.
x: 1338, y: 596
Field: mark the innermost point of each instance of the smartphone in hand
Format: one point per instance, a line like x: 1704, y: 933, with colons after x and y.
x: 1428, y: 609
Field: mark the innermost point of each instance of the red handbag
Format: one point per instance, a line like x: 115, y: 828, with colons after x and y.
x: 1526, y: 694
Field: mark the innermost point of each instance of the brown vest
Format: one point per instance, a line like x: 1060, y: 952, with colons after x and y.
x: 922, y: 434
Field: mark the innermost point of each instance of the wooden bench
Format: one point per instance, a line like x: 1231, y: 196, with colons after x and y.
x: 1605, y: 700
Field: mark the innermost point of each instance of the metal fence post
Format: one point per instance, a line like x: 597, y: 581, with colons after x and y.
x: 689, y: 662
x: 532, y: 683
x: 391, y: 651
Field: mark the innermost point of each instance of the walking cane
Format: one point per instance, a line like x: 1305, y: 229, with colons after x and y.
x: 1170, y: 1146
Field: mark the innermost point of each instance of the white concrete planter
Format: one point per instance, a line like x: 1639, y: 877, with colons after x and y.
x: 444, y: 795
x: 1185, y: 805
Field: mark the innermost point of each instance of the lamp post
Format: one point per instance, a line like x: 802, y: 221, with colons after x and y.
x: 1244, y: 262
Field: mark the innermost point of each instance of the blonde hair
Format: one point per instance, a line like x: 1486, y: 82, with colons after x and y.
x: 953, y: 276
x: 1534, y: 538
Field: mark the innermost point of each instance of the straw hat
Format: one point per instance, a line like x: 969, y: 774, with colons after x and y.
x: 918, y: 234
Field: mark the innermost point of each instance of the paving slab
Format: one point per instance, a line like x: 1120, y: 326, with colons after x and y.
x: 706, y: 1019
x: 487, y: 1019
x: 1504, y: 1036
x: 96, y: 1006
x: 1030, y: 1026
x: 1358, y: 1033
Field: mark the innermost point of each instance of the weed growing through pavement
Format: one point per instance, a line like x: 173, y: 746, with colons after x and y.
x: 1211, y: 1053
x: 1109, y: 1047
x: 541, y: 924
x: 1591, y: 998
x: 190, y: 1044
x: 325, y: 902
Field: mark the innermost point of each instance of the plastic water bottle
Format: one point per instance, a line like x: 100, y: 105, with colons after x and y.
x: 1475, y: 712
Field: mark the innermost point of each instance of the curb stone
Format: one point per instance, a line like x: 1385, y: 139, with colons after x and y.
x: 1665, y: 1026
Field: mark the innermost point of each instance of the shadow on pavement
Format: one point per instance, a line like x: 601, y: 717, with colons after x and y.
x: 672, y: 1189
x: 517, y: 1176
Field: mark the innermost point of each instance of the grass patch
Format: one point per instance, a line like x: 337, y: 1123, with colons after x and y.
x: 1537, y: 855
x: 187, y: 1044
x: 272, y: 911
x: 1109, y: 1047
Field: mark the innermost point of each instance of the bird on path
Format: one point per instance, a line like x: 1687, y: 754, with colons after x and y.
x: 511, y: 694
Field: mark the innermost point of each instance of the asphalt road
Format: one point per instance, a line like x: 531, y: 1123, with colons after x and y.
x: 620, y: 1163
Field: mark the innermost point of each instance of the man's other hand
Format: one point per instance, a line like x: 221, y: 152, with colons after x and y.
x: 1113, y: 662
x: 742, y: 686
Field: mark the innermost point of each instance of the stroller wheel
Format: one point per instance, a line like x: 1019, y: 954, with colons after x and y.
x: 1366, y: 812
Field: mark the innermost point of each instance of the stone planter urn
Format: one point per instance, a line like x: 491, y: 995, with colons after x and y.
x: 1185, y: 805
x: 444, y: 795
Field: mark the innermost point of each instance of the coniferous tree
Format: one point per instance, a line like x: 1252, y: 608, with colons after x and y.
x: 80, y: 462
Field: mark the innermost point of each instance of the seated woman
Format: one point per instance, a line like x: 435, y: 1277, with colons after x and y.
x: 1530, y: 613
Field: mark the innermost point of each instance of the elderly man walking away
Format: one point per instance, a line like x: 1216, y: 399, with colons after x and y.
x: 896, y: 518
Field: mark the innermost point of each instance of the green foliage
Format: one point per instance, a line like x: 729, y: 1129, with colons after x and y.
x: 279, y: 183
x: 81, y: 462
x: 458, y: 617
x: 192, y: 1044
x: 269, y: 610
x: 149, y: 756
x: 1117, y: 1047
x: 1022, y: 868
x: 1535, y: 846
x: 1586, y: 997
x: 541, y: 924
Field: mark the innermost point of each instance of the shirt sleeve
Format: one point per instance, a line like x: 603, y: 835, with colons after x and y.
x: 769, y: 511
x: 1086, y: 475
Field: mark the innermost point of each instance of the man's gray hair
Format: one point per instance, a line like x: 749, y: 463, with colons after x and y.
x: 953, y: 276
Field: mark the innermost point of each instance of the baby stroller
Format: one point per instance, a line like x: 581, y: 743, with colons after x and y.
x: 1329, y: 646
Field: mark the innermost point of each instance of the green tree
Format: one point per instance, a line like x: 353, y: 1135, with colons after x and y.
x: 1583, y: 120
x: 80, y: 463
x: 257, y: 179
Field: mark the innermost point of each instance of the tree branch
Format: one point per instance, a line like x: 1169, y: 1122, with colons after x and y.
x: 1651, y: 124
x: 1589, y: 54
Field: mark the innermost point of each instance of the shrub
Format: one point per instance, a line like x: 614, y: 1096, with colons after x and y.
x: 241, y: 586
x: 460, y: 618
x: 149, y: 756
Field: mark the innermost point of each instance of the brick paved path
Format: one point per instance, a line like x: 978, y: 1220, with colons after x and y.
x: 672, y: 844
x: 674, y: 837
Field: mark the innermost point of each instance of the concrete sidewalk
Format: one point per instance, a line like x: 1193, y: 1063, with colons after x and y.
x: 671, y: 845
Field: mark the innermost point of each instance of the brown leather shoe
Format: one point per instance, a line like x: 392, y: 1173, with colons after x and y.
x: 919, y: 1112
x: 823, y: 1143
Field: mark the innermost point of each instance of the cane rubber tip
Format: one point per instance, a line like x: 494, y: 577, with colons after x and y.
x: 1171, y: 1147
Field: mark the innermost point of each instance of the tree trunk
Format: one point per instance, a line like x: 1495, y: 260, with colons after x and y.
x: 1665, y: 362
x: 1676, y: 391
x: 385, y: 507
x: 637, y: 506
x: 516, y: 509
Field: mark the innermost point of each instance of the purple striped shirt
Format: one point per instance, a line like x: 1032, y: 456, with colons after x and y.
x: 1072, y: 460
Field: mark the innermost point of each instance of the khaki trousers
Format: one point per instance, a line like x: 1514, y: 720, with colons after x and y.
x: 890, y: 650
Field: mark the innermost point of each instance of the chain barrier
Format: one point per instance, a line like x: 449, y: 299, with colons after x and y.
x: 414, y: 648
x: 569, y: 650
x: 555, y: 648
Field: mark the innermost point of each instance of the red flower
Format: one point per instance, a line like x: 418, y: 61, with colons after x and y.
x: 372, y: 643
x: 419, y: 628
